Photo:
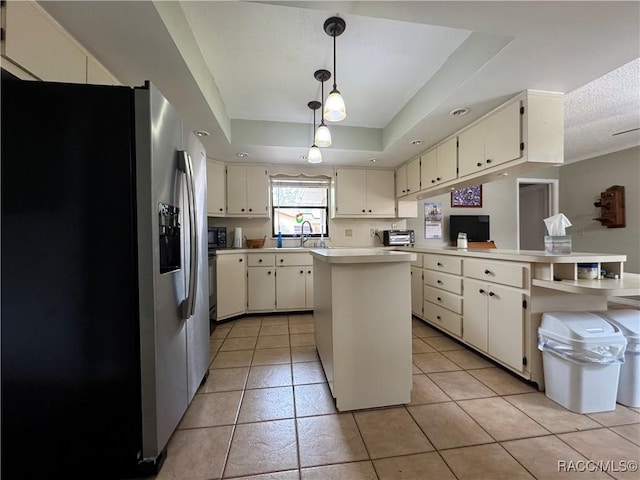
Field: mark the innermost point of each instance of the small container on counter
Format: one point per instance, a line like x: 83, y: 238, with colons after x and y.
x: 588, y: 271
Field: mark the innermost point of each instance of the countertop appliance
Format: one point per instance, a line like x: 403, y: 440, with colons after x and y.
x: 391, y: 238
x: 216, y: 237
x: 105, y: 328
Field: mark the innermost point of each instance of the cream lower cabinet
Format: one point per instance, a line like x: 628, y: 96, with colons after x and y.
x: 417, y: 285
x: 495, y: 295
x: 291, y: 287
x: 442, y: 292
x: 231, y: 271
x: 261, y: 282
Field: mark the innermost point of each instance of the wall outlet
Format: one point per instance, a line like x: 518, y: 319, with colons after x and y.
x: 394, y: 226
x: 372, y: 232
x: 348, y: 232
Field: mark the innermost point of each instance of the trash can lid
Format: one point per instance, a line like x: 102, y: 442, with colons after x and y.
x: 579, y: 328
x: 628, y: 321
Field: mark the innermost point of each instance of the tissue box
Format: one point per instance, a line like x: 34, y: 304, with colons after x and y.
x: 558, y: 244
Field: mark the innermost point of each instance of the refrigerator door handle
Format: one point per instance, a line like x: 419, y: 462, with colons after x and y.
x: 187, y: 308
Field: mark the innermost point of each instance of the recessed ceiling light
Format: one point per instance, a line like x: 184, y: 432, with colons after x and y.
x: 417, y: 142
x: 242, y: 154
x: 458, y: 112
x: 201, y: 133
x: 373, y: 160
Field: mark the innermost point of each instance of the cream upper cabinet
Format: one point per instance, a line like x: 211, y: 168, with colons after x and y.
x: 365, y: 193
x: 440, y: 164
x: 408, y: 178
x: 492, y: 142
x: 215, y: 189
x: 40, y: 46
x: 247, y: 191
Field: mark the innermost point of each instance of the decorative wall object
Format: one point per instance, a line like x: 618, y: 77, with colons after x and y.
x: 611, y: 205
x: 470, y: 197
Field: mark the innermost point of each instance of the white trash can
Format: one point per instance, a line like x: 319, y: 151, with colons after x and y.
x: 581, y: 357
x: 628, y: 321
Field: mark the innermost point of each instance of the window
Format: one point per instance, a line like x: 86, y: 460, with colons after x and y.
x: 296, y: 200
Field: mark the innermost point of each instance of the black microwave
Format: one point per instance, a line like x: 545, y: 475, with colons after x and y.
x: 217, y: 237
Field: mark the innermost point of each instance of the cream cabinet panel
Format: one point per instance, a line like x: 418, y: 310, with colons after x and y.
x: 261, y: 289
x: 351, y: 192
x: 443, y: 318
x: 443, y: 263
x: 450, y: 301
x: 291, y: 288
x: 40, y: 46
x: 380, y: 198
x: 445, y: 281
x: 502, y: 136
x: 417, y: 285
x: 471, y: 150
x: 429, y: 169
x: 261, y: 259
x: 308, y: 287
x: 401, y: 181
x: 447, y: 154
x: 413, y: 176
x: 289, y: 259
x: 231, y: 271
x: 506, y: 273
x: 215, y: 189
x: 247, y: 191
x: 365, y: 193
x: 506, y: 326
x: 476, y: 322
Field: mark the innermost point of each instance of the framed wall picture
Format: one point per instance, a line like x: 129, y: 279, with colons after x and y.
x: 470, y: 197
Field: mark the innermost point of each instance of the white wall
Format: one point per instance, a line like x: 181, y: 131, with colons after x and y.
x: 580, y: 186
x: 499, y: 201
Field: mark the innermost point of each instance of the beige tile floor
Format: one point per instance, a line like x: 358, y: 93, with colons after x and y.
x: 266, y: 412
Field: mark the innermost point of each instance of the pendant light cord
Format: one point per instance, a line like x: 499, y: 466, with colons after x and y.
x: 335, y: 80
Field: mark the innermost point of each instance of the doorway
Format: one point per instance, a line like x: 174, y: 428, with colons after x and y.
x: 537, y: 200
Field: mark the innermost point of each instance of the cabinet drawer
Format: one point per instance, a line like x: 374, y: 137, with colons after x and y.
x: 448, y: 300
x: 443, y: 263
x: 261, y: 259
x: 445, y: 281
x: 506, y: 273
x: 287, y: 259
x: 450, y: 321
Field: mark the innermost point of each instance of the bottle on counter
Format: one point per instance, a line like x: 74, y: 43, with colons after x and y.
x: 279, y: 240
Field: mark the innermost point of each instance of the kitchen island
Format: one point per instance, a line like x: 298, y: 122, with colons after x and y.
x: 362, y: 316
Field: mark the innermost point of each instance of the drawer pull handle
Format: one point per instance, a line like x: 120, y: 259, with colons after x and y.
x: 491, y: 294
x: 439, y: 299
x: 439, y: 264
x: 478, y: 164
x: 269, y: 272
x: 487, y: 272
x: 488, y: 160
x: 301, y: 271
x: 438, y: 317
x: 240, y: 260
x: 439, y: 282
x: 482, y: 291
x: 309, y: 272
x: 259, y: 260
x: 281, y: 260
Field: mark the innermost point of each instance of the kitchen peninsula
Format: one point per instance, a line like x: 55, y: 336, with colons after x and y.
x: 492, y: 300
x: 362, y: 315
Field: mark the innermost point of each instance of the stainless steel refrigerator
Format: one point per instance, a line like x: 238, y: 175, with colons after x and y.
x: 105, y: 329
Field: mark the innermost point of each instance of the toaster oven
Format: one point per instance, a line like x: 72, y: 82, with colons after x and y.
x: 391, y: 238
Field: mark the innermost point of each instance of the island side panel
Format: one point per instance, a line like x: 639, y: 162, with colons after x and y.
x: 371, y: 334
x: 322, y: 315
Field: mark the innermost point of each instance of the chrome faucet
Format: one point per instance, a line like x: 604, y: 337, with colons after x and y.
x: 302, y: 239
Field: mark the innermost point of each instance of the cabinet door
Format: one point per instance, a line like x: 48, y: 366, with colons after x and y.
x: 236, y: 189
x: 308, y: 285
x: 506, y: 320
x: 215, y: 189
x: 257, y: 191
x: 232, y: 285
x: 401, y: 181
x: 502, y: 136
x: 429, y: 168
x: 447, y: 160
x: 413, y: 176
x: 471, y: 150
x: 417, y: 284
x: 261, y: 289
x: 380, y: 198
x: 475, y: 325
x: 290, y: 288
x: 351, y: 192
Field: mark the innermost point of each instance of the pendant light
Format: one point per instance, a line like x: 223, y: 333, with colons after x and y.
x: 314, y: 156
x: 323, y: 135
x: 334, y: 108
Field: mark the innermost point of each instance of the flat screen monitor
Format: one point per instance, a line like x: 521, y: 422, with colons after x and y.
x: 475, y: 226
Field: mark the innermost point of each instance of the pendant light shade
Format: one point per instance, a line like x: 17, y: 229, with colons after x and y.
x: 334, y: 108
x: 314, y: 155
x: 323, y: 135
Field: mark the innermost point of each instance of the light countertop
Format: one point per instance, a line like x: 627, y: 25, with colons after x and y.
x: 361, y: 255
